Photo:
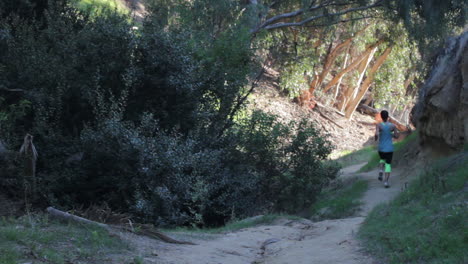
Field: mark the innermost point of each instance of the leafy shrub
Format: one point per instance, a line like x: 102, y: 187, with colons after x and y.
x: 88, y: 84
x: 165, y: 179
x: 289, y: 158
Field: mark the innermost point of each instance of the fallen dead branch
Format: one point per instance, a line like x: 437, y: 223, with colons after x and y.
x: 142, y: 230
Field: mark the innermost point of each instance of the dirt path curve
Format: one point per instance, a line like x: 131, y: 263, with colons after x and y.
x: 286, y: 241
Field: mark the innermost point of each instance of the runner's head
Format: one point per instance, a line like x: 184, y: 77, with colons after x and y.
x: 384, y: 115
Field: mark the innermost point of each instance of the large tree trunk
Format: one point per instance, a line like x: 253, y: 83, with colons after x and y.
x: 351, y: 107
x: 351, y: 93
x: 351, y: 66
x: 330, y: 59
x: 337, y: 89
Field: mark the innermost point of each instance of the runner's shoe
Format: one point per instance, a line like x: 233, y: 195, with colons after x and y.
x: 380, y: 175
x: 386, y: 185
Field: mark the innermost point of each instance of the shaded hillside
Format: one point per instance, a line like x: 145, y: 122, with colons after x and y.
x: 345, y: 134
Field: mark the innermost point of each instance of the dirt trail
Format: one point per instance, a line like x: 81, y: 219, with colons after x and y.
x: 286, y: 241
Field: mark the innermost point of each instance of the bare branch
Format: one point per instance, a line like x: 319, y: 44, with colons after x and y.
x: 287, y: 15
x: 242, y: 100
x: 10, y: 90
x: 340, y: 21
x: 270, y: 24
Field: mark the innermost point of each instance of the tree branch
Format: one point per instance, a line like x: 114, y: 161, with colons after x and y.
x: 10, y: 90
x: 339, y: 22
x: 270, y: 24
x: 241, y: 101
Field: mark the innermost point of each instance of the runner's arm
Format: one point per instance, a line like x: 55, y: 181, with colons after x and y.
x: 396, y: 134
x: 376, y: 136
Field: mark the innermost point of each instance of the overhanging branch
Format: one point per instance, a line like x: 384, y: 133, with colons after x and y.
x: 10, y: 90
x: 272, y: 23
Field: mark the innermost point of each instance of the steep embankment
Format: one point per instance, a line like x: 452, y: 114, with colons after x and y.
x: 441, y: 114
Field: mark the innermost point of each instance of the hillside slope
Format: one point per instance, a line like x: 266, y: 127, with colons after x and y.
x: 345, y: 134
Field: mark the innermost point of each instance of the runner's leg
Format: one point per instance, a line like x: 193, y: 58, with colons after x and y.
x: 381, y: 165
x: 388, y: 167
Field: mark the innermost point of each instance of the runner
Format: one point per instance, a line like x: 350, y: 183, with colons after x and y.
x: 384, y: 132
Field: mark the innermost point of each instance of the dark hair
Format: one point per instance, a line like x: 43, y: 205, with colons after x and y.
x: 384, y: 115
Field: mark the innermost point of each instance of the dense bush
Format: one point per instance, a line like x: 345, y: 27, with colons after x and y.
x: 167, y: 179
x: 144, y: 121
x: 289, y: 158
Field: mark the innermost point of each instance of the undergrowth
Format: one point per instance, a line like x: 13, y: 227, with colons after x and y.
x: 427, y: 222
x: 339, y: 202
x: 37, y: 239
x: 95, y: 7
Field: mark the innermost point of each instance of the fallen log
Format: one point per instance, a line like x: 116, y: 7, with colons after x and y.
x: 143, y: 230
x: 372, y: 112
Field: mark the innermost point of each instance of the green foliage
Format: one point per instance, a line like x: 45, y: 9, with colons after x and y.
x: 98, y: 7
x: 152, y: 113
x: 165, y: 179
x: 11, y: 116
x: 293, y: 80
x: 27, y: 9
x: 37, y: 237
x: 427, y: 222
x: 289, y: 156
x: 402, y: 64
x: 339, y: 201
x: 430, y: 22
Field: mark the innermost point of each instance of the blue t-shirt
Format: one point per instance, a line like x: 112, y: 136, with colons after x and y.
x: 385, y: 137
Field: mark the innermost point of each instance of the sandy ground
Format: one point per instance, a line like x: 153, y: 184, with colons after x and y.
x: 286, y: 241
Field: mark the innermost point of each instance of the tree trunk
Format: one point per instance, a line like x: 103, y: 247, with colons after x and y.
x: 351, y: 66
x: 351, y: 107
x: 337, y: 89
x: 330, y: 59
x: 369, y: 100
x: 351, y: 93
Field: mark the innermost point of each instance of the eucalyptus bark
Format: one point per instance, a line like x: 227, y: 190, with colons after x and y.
x: 351, y: 93
x: 337, y: 89
x: 351, y: 107
x: 352, y: 65
x: 330, y: 59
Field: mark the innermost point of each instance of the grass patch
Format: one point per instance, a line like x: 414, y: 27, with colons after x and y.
x: 426, y: 223
x: 42, y: 241
x: 237, y: 225
x: 340, y: 201
x: 374, y: 158
x: 97, y: 7
x: 348, y: 158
